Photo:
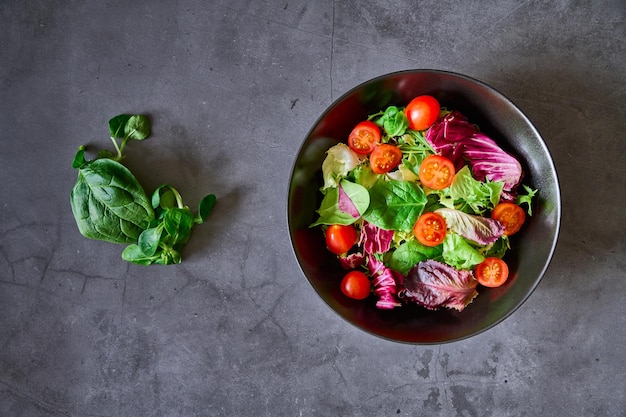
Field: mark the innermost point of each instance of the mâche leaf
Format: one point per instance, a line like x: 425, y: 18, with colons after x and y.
x: 116, y: 125
x: 149, y: 240
x: 205, y: 207
x: 393, y: 121
x: 137, y: 127
x: 178, y: 223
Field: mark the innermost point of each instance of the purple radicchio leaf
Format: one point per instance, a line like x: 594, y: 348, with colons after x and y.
x: 375, y: 239
x: 346, y: 205
x: 433, y: 284
x: 489, y: 162
x: 481, y: 230
x: 352, y: 260
x: 384, y: 281
x: 447, y: 137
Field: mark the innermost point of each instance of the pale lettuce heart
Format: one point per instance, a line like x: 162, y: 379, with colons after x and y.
x: 339, y: 161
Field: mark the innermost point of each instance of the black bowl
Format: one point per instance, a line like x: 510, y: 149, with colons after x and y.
x: 532, y: 248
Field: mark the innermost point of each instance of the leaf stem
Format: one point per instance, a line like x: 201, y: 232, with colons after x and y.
x: 177, y: 196
x: 123, y: 145
x: 117, y: 149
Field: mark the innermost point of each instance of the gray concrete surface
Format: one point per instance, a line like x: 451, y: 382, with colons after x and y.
x: 235, y: 330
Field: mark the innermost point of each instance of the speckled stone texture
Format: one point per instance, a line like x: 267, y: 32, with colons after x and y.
x: 232, y: 88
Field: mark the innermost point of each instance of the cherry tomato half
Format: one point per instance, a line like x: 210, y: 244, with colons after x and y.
x: 430, y: 229
x: 511, y: 215
x: 355, y: 284
x: 436, y: 172
x: 422, y: 112
x: 492, y: 272
x: 364, y: 137
x: 340, y: 238
x: 385, y: 158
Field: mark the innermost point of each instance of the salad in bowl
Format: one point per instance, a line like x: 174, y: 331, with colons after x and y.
x: 418, y: 206
x: 423, y: 207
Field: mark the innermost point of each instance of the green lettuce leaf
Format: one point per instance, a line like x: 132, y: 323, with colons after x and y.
x: 457, y: 252
x: 470, y: 195
x: 339, y: 161
x: 527, y: 198
x: 330, y: 211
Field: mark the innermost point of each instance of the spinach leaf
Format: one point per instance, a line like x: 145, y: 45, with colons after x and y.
x: 395, y: 205
x: 410, y: 253
x: 108, y: 202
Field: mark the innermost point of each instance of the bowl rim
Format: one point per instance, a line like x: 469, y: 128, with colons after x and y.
x: 553, y: 172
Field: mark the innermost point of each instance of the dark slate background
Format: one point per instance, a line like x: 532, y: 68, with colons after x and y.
x: 232, y: 88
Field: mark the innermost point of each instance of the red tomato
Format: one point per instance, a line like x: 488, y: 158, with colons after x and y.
x: 430, y: 229
x: 355, y: 285
x: 385, y: 158
x: 422, y: 112
x: 364, y: 137
x: 492, y: 272
x: 436, y: 172
x: 511, y: 215
x: 340, y: 238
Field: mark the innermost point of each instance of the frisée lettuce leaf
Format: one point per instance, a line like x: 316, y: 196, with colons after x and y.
x: 470, y: 195
x: 527, y: 198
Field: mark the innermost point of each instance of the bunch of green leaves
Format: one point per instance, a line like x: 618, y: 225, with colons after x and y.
x: 392, y: 120
x: 109, y: 203
x: 163, y: 240
x: 125, y: 127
